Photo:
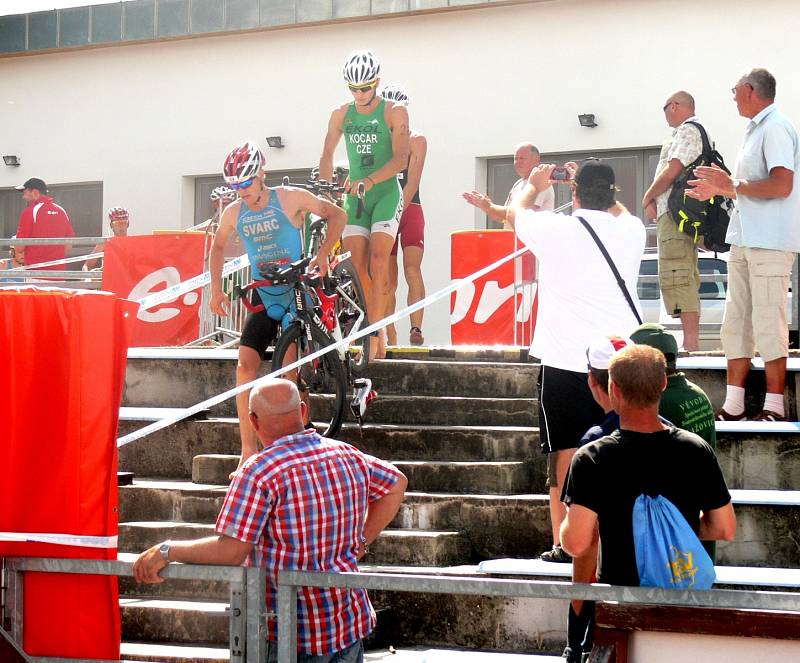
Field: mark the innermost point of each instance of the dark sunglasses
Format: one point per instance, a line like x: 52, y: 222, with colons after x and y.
x: 361, y: 88
x: 242, y: 185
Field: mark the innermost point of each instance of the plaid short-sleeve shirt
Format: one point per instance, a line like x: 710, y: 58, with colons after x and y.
x: 685, y: 144
x: 302, y: 503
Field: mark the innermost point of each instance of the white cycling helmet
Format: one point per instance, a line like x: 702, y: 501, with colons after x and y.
x: 361, y: 67
x: 395, y: 93
x: 243, y: 162
x: 222, y: 193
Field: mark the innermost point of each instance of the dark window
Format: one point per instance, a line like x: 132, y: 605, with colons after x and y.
x: 717, y: 289
x: 648, y: 290
x: 205, y: 185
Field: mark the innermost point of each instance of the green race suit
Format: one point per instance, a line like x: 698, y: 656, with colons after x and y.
x: 368, y: 140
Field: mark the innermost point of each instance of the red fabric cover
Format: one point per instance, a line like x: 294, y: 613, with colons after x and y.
x: 135, y: 267
x: 62, y: 363
x: 487, y: 318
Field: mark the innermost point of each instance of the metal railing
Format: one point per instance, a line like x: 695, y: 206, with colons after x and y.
x: 290, y: 581
x: 247, y: 609
x: 29, y: 275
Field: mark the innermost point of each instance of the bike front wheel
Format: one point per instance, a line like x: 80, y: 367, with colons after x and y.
x: 321, y: 381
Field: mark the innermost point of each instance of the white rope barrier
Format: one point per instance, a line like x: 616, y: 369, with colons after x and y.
x: 345, y: 342
x: 61, y: 539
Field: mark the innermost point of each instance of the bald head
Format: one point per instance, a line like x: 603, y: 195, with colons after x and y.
x: 679, y: 108
x: 275, y: 405
x: 526, y: 158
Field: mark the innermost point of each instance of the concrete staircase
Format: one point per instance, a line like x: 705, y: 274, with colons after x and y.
x: 462, y: 427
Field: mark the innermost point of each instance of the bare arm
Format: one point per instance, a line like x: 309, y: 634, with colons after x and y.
x: 220, y: 304
x: 718, y: 524
x: 381, y: 511
x: 418, y: 148
x: 485, y: 204
x: 577, y: 530
x: 92, y: 262
x: 660, y: 185
x: 337, y: 220
x: 712, y: 181
x: 332, y: 139
x: 219, y: 549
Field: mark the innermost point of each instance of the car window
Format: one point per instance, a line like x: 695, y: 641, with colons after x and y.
x: 648, y: 290
x: 715, y: 290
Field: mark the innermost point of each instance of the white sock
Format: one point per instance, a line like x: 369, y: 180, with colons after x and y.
x: 774, y: 403
x: 734, y: 400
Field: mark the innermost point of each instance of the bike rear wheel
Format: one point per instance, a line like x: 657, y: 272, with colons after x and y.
x: 322, y: 378
x: 348, y: 313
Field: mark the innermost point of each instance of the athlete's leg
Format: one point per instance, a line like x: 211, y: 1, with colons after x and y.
x: 412, y: 267
x: 246, y: 371
x: 391, y: 300
x: 380, y: 246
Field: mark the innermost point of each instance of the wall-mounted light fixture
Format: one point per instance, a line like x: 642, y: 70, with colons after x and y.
x: 275, y: 141
x: 11, y: 160
x: 587, y: 120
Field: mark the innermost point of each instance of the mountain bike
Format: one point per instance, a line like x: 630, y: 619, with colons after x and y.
x: 352, y: 305
x: 315, y: 325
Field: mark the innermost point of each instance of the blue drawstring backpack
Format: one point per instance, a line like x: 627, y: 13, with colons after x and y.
x: 668, y: 552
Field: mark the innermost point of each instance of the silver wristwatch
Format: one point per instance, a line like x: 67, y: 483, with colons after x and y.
x: 164, y: 550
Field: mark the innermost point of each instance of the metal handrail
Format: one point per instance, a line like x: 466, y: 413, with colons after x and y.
x: 43, y: 241
x: 247, y: 610
x: 290, y: 581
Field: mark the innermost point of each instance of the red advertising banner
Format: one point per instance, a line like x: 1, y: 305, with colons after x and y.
x: 135, y: 267
x: 58, y: 457
x: 486, y: 311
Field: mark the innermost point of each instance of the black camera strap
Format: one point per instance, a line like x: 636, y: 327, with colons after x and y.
x: 620, y: 280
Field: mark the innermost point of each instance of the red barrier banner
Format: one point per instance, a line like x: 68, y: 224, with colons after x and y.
x: 135, y: 267
x: 487, y: 311
x: 63, y: 366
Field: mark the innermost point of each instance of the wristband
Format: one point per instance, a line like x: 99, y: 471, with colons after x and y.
x: 371, y: 180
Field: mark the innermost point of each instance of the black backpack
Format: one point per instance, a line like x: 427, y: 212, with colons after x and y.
x: 706, y: 219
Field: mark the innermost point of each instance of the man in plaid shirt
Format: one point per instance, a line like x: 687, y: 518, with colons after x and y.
x: 305, y: 503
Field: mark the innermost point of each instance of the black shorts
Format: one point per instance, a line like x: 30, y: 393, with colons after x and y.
x: 567, y: 409
x: 259, y: 330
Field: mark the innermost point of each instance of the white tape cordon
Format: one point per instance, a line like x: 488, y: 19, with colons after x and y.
x: 345, y: 342
x: 61, y: 539
x: 64, y: 261
x: 193, y: 283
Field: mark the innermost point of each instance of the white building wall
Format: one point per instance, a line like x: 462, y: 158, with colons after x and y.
x: 146, y: 118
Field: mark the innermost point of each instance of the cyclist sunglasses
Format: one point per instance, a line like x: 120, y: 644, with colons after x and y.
x: 362, y: 88
x: 242, y: 185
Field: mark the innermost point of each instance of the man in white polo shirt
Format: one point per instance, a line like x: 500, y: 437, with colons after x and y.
x: 579, y: 300
x: 764, y: 234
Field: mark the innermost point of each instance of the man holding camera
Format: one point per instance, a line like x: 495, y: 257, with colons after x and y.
x: 579, y: 299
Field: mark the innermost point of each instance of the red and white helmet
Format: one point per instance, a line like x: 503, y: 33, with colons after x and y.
x: 118, y: 214
x: 223, y: 193
x: 362, y: 67
x: 244, y: 162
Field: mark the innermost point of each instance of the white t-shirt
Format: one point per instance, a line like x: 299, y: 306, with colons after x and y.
x: 579, y: 298
x: 545, y: 200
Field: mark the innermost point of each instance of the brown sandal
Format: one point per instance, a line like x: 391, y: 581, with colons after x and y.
x: 769, y: 415
x: 722, y: 415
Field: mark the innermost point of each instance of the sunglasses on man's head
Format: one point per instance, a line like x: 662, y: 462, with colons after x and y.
x: 362, y: 88
x: 242, y: 185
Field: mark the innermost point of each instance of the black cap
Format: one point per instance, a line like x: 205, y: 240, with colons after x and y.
x: 596, y: 174
x: 33, y: 183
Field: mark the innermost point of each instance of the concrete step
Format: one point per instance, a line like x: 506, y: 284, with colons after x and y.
x: 768, y: 460
x: 394, y: 546
x: 167, y: 380
x: 174, y: 621
x: 150, y: 499
x: 498, y: 477
x: 164, y: 653
x: 468, y: 478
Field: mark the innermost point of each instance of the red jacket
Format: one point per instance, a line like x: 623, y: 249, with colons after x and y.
x: 45, y: 219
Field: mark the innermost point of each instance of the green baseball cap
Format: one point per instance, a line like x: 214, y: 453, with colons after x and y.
x: 658, y: 337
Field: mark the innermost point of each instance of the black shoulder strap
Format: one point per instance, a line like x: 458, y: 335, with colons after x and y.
x: 620, y: 280
x: 703, y: 135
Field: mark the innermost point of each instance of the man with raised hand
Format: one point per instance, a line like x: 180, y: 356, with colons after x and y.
x: 377, y: 142
x: 303, y: 503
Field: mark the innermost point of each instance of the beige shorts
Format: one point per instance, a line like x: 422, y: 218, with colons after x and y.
x: 755, y: 308
x: 678, y: 274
